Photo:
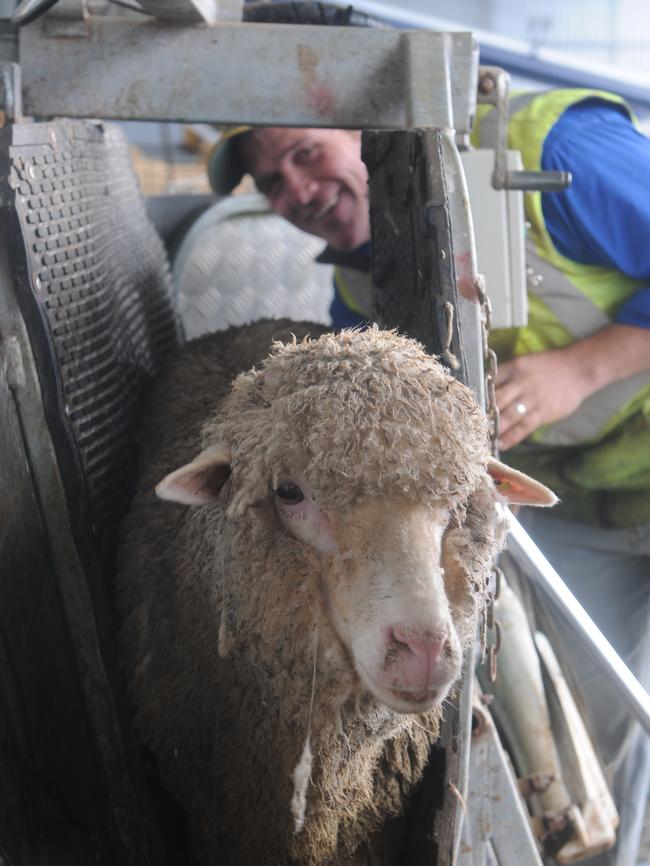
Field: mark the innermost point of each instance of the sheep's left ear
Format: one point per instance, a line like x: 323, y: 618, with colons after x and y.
x: 517, y: 488
x: 198, y: 482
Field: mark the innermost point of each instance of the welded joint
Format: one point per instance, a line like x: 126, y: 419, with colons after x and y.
x: 427, y: 76
x: 536, y: 783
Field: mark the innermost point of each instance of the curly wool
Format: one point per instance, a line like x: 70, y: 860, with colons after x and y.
x: 360, y: 414
x: 221, y: 608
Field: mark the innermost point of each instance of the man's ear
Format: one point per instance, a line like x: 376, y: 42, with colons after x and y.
x: 198, y: 482
x: 517, y: 488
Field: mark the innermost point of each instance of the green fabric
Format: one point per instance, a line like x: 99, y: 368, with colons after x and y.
x: 606, y: 481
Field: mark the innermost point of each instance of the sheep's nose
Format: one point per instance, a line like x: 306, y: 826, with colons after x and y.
x: 420, y: 662
x: 426, y: 648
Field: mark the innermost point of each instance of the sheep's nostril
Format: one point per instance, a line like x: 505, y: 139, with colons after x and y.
x: 398, y: 643
x: 448, y: 649
x: 420, y: 643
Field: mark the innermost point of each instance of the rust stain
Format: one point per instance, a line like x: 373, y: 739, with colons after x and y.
x: 321, y: 99
x: 465, y: 276
x: 318, y: 94
x: 308, y: 60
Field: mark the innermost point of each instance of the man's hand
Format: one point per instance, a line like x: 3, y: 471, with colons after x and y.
x: 541, y: 388
x: 533, y: 390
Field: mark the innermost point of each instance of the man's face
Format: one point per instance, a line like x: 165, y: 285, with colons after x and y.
x: 314, y: 178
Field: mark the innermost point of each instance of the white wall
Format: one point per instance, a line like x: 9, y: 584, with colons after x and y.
x: 615, y: 32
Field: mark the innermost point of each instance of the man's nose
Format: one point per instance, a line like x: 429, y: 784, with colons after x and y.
x: 300, y: 186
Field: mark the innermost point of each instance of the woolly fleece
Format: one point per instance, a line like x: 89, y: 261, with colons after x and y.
x: 221, y: 608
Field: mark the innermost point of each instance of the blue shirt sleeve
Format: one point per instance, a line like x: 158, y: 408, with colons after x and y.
x: 604, y: 216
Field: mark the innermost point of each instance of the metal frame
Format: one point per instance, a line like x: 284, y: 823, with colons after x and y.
x: 325, y: 77
x: 530, y: 558
x: 322, y: 76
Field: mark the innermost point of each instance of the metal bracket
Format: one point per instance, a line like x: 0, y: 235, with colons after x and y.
x: 493, y: 88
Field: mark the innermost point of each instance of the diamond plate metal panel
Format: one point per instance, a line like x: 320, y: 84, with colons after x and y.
x: 240, y: 262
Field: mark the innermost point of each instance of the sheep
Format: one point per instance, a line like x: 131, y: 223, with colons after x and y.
x: 289, y: 637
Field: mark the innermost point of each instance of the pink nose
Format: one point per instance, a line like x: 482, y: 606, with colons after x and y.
x: 422, y: 644
x: 417, y: 657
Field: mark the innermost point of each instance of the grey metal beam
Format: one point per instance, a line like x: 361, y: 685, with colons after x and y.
x: 250, y: 73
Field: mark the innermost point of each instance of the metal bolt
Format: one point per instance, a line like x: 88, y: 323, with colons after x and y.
x: 537, y: 783
x: 486, y: 83
x: 478, y: 722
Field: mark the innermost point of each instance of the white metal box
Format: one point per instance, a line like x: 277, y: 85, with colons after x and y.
x: 499, y: 232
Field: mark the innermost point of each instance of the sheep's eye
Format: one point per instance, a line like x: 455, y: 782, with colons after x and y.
x: 289, y: 493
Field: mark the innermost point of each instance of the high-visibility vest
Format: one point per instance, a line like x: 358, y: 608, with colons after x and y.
x: 597, y: 459
x: 354, y: 288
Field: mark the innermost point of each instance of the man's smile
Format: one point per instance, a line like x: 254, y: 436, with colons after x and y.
x: 327, y: 208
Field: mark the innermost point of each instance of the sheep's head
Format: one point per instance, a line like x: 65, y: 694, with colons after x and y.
x: 378, y: 460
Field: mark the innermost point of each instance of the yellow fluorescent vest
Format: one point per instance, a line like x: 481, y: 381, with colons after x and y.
x: 597, y: 460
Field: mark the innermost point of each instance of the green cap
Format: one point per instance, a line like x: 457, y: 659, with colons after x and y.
x: 224, y: 166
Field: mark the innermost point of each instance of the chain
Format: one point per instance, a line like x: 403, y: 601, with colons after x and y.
x: 493, y: 588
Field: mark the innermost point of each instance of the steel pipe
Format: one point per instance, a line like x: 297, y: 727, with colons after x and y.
x: 535, y: 565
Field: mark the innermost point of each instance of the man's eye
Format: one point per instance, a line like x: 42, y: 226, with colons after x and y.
x: 289, y: 493
x: 269, y: 186
x: 305, y: 155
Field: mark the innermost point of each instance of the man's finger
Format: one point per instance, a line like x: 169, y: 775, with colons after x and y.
x: 507, y: 394
x: 505, y: 372
x: 514, y: 426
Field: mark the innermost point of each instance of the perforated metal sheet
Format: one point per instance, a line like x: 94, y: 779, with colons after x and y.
x: 240, y: 262
x: 94, y: 288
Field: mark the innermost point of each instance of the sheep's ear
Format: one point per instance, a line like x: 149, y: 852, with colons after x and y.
x: 198, y: 482
x: 517, y: 488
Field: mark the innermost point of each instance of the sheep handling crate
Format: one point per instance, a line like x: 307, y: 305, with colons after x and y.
x: 86, y: 317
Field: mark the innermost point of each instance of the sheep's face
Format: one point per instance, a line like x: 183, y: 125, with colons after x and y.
x: 401, y: 582
x: 383, y: 589
x: 376, y: 458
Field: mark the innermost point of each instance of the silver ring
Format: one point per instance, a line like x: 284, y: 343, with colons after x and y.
x: 521, y: 409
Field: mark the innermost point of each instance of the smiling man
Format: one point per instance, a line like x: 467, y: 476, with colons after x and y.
x: 316, y: 180
x: 313, y: 178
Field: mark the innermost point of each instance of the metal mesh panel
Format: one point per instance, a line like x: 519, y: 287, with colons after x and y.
x: 94, y: 289
x: 239, y: 262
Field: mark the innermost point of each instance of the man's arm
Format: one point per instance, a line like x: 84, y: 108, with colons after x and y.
x: 553, y: 384
x: 603, y: 218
